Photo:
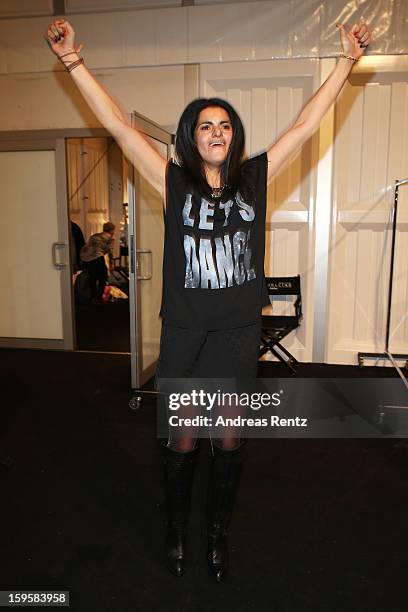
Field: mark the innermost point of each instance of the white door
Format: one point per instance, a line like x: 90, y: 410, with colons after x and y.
x: 35, y: 287
x: 370, y: 154
x: 146, y: 239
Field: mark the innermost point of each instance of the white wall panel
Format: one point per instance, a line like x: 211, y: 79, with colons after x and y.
x: 55, y: 102
x: 133, y: 38
x: 209, y: 38
x: 127, y: 38
x: 174, y: 35
x: 198, y: 34
x: 218, y: 2
x: 25, y: 8
x: 370, y: 154
x: 139, y: 43
x: 171, y: 36
x: 85, y: 6
x: 358, y: 300
x: 22, y: 46
x: 103, y: 39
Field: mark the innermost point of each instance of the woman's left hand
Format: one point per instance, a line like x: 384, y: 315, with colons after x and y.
x: 354, y: 41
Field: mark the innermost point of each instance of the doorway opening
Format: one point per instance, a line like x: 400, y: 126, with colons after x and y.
x: 97, y: 195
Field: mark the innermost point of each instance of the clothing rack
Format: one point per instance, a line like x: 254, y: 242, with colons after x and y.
x: 386, y: 354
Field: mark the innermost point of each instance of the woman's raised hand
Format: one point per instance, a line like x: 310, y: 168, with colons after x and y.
x: 60, y: 37
x: 355, y: 40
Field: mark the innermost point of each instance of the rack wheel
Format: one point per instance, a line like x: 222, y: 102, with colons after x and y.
x: 134, y: 402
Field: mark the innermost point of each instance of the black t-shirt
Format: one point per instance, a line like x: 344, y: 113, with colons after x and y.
x: 213, y: 267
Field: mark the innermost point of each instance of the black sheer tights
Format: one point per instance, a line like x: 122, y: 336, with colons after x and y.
x: 226, y: 438
x: 185, y: 445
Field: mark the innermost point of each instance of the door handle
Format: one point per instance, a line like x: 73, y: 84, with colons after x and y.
x: 149, y: 274
x: 56, y: 246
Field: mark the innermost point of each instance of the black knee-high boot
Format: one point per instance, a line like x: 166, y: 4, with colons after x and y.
x: 223, y: 480
x: 178, y: 476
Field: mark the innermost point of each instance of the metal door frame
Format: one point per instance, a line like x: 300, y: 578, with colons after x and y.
x: 138, y: 375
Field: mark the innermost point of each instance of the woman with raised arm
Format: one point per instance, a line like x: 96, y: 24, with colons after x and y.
x: 213, y: 262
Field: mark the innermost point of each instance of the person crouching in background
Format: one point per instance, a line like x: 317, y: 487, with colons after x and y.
x: 93, y: 258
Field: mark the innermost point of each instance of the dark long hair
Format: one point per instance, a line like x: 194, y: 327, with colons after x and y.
x: 190, y: 160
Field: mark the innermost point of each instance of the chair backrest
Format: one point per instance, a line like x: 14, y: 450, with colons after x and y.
x: 283, y: 286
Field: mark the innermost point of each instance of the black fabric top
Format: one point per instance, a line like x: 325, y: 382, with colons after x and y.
x: 213, y: 267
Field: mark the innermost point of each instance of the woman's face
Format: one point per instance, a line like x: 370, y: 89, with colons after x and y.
x: 213, y: 135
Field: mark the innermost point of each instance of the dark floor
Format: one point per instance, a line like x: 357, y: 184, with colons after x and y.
x: 103, y: 327
x: 318, y: 525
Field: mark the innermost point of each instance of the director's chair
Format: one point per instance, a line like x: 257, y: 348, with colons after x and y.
x: 277, y: 326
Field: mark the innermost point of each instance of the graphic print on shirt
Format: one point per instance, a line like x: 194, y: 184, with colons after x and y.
x: 217, y: 262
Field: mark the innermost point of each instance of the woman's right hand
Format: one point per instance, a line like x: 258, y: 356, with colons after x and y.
x: 60, y: 37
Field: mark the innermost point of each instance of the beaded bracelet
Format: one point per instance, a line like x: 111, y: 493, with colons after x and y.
x: 349, y: 57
